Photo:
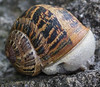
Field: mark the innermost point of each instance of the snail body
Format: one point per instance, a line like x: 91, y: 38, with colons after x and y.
x: 49, y: 39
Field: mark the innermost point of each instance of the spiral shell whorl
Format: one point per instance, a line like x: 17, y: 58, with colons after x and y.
x: 22, y: 54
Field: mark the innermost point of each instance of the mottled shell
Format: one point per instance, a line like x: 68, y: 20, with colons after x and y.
x: 41, y: 36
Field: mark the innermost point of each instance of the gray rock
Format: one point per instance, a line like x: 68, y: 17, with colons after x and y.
x: 82, y: 79
x: 1, y: 1
x: 97, y: 66
x: 23, y: 5
x: 61, y: 2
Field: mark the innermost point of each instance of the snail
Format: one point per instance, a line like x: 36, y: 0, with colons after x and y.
x: 49, y: 39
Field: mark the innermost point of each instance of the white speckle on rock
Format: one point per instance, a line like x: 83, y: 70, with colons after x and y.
x: 1, y: 1
x: 81, y: 15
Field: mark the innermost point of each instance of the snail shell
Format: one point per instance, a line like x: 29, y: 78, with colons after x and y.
x: 49, y: 39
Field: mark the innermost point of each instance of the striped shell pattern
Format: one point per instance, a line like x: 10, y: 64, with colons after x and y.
x: 41, y: 36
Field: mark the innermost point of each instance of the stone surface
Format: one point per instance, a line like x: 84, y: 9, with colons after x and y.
x: 82, y: 79
x: 87, y: 11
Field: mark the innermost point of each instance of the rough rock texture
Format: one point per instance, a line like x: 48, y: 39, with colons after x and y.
x: 83, y: 79
x: 87, y: 11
